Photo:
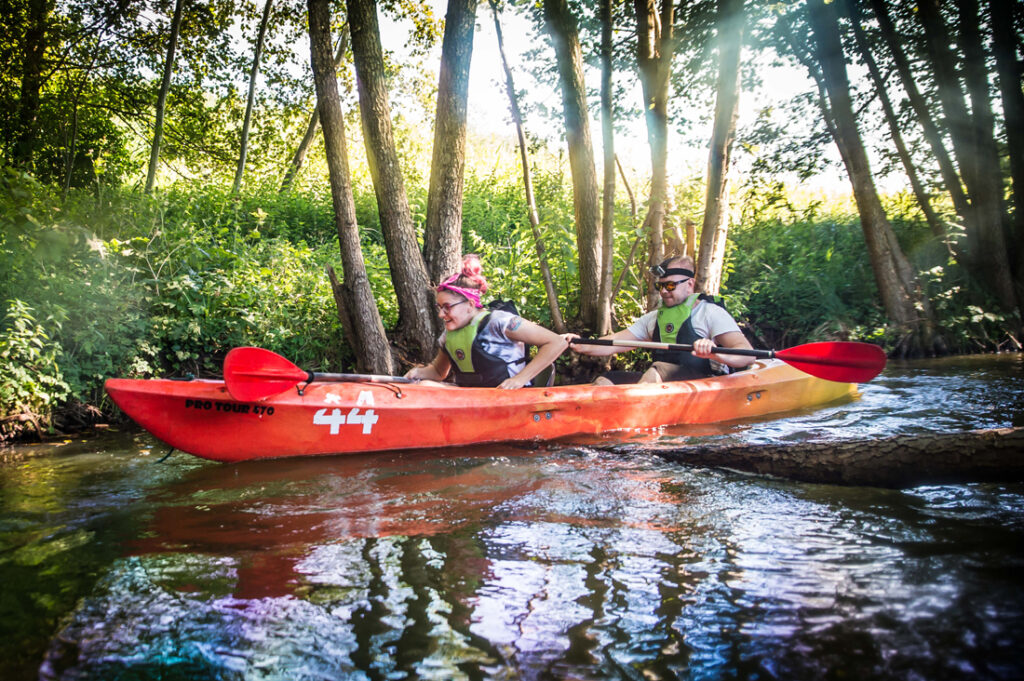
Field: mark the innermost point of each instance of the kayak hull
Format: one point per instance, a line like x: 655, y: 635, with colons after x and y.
x: 201, y: 418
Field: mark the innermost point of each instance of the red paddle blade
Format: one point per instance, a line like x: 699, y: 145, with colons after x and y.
x: 842, y: 361
x: 254, y: 373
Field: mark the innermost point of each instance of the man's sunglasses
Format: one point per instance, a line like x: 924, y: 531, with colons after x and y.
x: 447, y: 307
x: 669, y: 285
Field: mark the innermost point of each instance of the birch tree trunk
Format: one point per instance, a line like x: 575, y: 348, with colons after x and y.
x: 561, y: 26
x: 357, y: 308
x: 557, y: 323
x: 628, y: 264
x: 442, y: 237
x: 715, y: 229
x: 655, y: 48
x: 904, y: 302
x: 253, y: 74
x: 605, y: 302
x: 161, y: 100
x: 416, y: 333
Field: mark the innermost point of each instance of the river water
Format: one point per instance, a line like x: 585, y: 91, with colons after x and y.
x: 502, y: 562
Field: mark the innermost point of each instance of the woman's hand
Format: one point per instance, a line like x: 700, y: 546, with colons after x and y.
x: 435, y: 371
x: 513, y: 383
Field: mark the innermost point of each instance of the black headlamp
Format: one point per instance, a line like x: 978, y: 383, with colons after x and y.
x: 659, y: 271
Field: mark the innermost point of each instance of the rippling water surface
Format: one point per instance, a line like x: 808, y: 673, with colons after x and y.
x: 568, y: 562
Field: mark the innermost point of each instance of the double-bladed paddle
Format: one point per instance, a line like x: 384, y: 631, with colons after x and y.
x: 254, y: 373
x: 840, y: 361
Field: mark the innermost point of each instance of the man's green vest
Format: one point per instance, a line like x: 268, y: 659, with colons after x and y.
x: 675, y: 325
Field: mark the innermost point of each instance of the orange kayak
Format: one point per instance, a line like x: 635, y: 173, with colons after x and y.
x: 201, y: 418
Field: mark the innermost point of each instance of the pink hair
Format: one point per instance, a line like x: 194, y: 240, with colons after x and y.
x: 469, y: 282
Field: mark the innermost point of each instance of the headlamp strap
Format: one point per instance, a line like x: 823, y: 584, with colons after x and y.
x: 674, y: 270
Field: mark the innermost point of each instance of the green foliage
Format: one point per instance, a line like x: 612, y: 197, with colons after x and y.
x: 113, y: 283
x: 497, y: 227
x: 969, y: 319
x: 165, y: 286
x: 798, y: 280
x: 31, y: 382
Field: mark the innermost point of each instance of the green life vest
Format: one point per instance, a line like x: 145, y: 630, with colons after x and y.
x: 459, y: 343
x: 672, y: 319
x: 675, y: 325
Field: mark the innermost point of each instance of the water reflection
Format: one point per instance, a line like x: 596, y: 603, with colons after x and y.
x: 507, y: 562
x: 552, y: 564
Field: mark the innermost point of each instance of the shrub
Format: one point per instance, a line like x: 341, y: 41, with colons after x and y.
x: 31, y: 382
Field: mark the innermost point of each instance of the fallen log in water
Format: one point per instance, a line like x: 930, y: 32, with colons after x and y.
x: 899, y: 461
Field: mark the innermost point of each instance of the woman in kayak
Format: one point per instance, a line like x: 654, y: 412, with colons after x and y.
x: 485, y: 348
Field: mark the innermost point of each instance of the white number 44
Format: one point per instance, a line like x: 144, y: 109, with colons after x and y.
x: 335, y: 419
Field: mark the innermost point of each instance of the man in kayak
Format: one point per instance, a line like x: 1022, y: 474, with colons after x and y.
x: 685, y: 317
x: 485, y: 348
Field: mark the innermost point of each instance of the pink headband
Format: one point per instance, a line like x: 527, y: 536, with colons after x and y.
x: 472, y: 295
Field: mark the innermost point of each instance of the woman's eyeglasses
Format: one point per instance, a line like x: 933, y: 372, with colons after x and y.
x: 447, y: 307
x: 669, y: 285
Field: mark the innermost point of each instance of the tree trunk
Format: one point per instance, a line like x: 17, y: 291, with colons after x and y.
x: 72, y: 147
x: 1005, y: 39
x: 442, y: 237
x: 627, y: 265
x: 253, y: 73
x: 932, y: 135
x: 605, y: 302
x: 655, y: 48
x: 32, y: 80
x: 973, y: 144
x: 356, y: 306
x: 299, y: 157
x: 415, y: 302
x: 895, y: 462
x: 557, y: 323
x: 897, y: 283
x: 561, y: 26
x: 991, y: 192
x: 72, y: 143
x: 923, y: 200
x: 715, y: 229
x: 161, y: 100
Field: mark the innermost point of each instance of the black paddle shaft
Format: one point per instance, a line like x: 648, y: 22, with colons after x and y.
x: 760, y: 354
x: 356, y: 378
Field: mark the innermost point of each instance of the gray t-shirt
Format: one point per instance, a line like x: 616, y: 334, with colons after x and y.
x: 494, y: 339
x: 709, y: 321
